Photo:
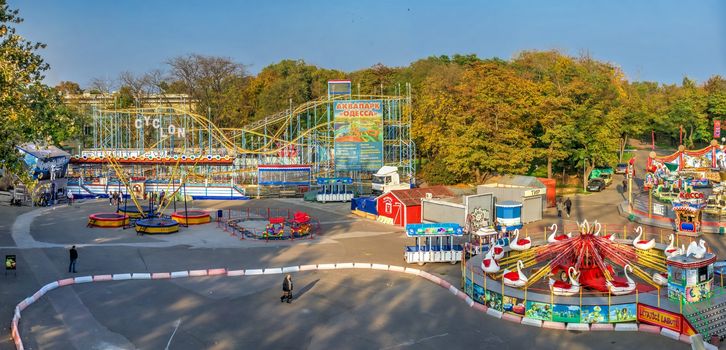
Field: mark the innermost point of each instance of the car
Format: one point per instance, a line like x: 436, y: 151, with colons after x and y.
x: 621, y: 168
x: 596, y: 185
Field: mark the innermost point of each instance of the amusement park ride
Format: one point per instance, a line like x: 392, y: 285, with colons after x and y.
x: 338, y: 136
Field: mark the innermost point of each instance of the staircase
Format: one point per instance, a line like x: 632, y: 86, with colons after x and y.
x: 709, y: 320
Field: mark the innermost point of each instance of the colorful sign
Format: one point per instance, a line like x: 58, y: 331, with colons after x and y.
x: 623, y: 313
x: 358, y: 135
x: 658, y: 317
x: 539, y: 311
x: 594, y: 314
x: 566, y: 313
x: 443, y: 229
x: 513, y: 305
x: 493, y: 300
x: 716, y: 128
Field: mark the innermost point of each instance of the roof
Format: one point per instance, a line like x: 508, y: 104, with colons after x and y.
x: 413, y: 196
x: 43, y: 152
x: 508, y: 204
x: 387, y: 170
x: 516, y: 181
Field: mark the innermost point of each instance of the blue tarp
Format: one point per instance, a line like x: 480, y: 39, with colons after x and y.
x: 364, y: 204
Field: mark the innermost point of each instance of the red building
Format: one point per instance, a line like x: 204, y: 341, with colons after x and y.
x: 402, y: 207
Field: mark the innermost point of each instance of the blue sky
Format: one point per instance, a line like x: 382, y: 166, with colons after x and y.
x: 651, y: 40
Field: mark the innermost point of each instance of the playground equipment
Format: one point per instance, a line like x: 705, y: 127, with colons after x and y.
x: 300, y: 225
x: 108, y: 220
x: 191, y: 217
x: 334, y: 189
x: 434, y: 243
x: 318, y: 138
x: 156, y: 225
x: 275, y: 229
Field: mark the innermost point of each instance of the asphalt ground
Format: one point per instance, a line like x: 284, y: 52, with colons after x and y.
x: 349, y: 309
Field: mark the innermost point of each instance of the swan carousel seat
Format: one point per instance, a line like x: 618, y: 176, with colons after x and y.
x: 619, y: 287
x: 554, y: 237
x: 515, y: 278
x: 489, y: 264
x: 697, y: 250
x: 563, y: 288
x: 660, y: 279
x: 498, y: 251
x: 520, y: 244
x: 671, y: 250
x: 642, y: 244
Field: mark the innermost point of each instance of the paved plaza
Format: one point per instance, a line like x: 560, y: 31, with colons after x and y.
x: 350, y: 309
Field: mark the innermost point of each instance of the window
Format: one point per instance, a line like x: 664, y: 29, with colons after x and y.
x: 389, y: 207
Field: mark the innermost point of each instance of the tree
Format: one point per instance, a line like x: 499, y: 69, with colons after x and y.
x: 69, y: 88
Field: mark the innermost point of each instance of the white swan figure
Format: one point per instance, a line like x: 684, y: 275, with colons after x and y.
x: 698, y: 250
x: 554, y: 238
x: 497, y: 249
x: 660, y: 279
x: 640, y: 244
x: 489, y: 264
x: 621, y: 290
x: 520, y: 244
x: 564, y: 288
x: 671, y: 250
x: 515, y: 278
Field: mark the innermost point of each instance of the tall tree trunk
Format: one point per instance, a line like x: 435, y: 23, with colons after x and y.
x: 549, y: 163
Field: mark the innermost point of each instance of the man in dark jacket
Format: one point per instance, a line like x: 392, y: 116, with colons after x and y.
x: 568, y: 206
x: 74, y: 257
x: 286, y: 289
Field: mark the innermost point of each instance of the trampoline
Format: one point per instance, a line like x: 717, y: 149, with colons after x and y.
x: 191, y: 217
x: 133, y: 212
x: 111, y: 220
x: 156, y: 225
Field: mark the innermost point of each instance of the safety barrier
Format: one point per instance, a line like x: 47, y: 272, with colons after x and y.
x: 15, y: 331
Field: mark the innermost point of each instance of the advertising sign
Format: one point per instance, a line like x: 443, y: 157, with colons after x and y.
x: 539, y: 311
x: 623, y: 313
x: 594, y: 314
x: 442, y: 229
x: 658, y: 317
x: 566, y: 313
x: 358, y: 135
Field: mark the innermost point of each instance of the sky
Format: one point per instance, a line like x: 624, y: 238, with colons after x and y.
x: 659, y: 41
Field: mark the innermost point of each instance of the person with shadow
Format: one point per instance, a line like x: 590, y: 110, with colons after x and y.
x: 287, y: 289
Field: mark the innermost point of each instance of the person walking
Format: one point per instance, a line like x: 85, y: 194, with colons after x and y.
x: 69, y: 194
x: 287, y: 289
x: 74, y: 258
x: 625, y: 185
x: 559, y: 207
x: 568, y: 206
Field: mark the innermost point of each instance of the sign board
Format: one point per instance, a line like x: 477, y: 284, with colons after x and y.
x: 716, y: 128
x: 339, y: 87
x: 659, y: 209
x: 358, y: 135
x: 535, y: 192
x: 659, y: 317
x: 439, y: 229
x: 10, y: 262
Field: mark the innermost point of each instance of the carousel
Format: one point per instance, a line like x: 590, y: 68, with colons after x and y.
x: 569, y: 262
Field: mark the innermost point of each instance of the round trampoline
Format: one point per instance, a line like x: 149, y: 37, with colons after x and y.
x: 191, y: 217
x: 133, y: 212
x: 156, y: 225
x: 108, y: 220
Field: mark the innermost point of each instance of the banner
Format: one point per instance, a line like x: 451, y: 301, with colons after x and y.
x: 566, y: 313
x: 716, y: 128
x: 358, y: 135
x: 658, y: 317
x: 623, y: 313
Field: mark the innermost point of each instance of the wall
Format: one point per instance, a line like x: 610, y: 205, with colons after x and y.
x: 439, y: 211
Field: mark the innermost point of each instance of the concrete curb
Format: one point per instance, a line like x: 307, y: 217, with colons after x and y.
x: 15, y: 333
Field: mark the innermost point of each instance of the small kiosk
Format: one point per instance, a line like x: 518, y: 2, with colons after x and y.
x: 508, y: 215
x: 690, y: 278
x: 479, y: 240
x: 688, y: 209
x: 434, y: 243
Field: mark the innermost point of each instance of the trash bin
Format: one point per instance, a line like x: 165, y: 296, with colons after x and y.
x: 721, y: 230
